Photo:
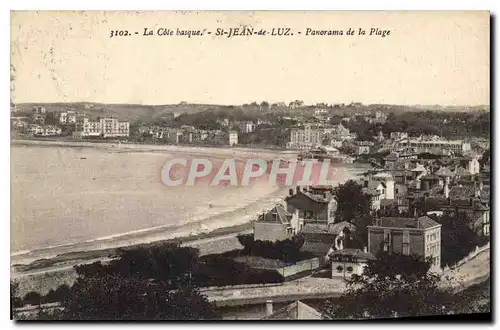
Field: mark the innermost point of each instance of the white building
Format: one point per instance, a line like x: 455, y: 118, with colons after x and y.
x: 39, y: 110
x: 40, y: 130
x: 339, y: 132
x: 103, y: 127
x: 435, y: 143
x: 399, y: 135
x: 321, y: 112
x: 305, y: 138
x: 233, y: 138
x: 246, y: 126
x: 388, y: 180
x: 347, y: 262
x: 67, y: 117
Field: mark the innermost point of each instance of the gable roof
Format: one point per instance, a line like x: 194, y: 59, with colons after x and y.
x: 295, y: 311
x: 423, y: 222
x: 314, y: 197
x: 277, y: 214
x: 444, y: 171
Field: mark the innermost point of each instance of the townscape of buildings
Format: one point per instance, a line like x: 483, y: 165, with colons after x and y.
x: 407, y: 171
x: 79, y: 124
x: 413, y: 171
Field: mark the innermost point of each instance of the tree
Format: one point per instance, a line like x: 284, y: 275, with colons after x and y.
x: 457, y: 238
x: 51, y: 119
x: 264, y: 105
x: 355, y: 207
x: 351, y: 201
x: 391, y: 285
x: 61, y: 294
x: 485, y: 158
x: 145, y: 283
x: 111, y: 297
x: 15, y: 300
x: 32, y: 298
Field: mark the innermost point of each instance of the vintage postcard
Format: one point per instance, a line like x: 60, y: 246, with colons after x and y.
x: 266, y: 165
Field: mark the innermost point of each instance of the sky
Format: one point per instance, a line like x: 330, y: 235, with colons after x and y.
x: 428, y: 58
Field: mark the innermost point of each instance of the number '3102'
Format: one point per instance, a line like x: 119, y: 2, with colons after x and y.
x: 119, y: 33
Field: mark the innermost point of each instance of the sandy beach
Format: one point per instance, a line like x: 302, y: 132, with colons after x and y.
x: 87, y: 194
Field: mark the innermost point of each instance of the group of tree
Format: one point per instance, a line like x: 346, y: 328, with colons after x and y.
x: 354, y: 206
x: 457, y: 238
x: 392, y: 285
x: 285, y: 250
x: 447, y: 124
x: 145, y: 283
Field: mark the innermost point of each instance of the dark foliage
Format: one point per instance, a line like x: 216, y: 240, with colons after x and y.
x: 351, y: 201
x: 111, y: 297
x: 61, y: 294
x: 217, y: 270
x: 32, y: 298
x: 286, y: 250
x: 355, y: 207
x: 154, y: 283
x: 391, y: 286
x: 457, y: 238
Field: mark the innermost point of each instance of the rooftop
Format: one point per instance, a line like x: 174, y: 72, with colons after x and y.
x: 423, y: 222
x: 277, y: 214
x: 444, y: 171
x: 295, y: 311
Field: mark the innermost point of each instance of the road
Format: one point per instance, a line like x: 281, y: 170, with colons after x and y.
x: 304, y: 288
x: 472, y: 272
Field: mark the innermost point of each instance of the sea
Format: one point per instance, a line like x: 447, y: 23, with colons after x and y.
x: 70, y: 198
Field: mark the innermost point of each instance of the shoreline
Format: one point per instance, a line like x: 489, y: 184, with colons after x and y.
x: 241, y: 219
x: 137, y: 146
x: 45, y: 268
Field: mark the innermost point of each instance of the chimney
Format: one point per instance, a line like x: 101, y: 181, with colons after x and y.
x: 269, y: 307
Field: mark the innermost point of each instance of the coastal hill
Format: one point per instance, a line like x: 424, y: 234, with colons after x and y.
x: 133, y: 112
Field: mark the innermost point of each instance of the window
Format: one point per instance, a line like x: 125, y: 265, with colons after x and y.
x: 349, y: 269
x: 406, y: 236
x: 397, y: 190
x: 339, y: 269
x: 406, y: 249
x: 387, y: 235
